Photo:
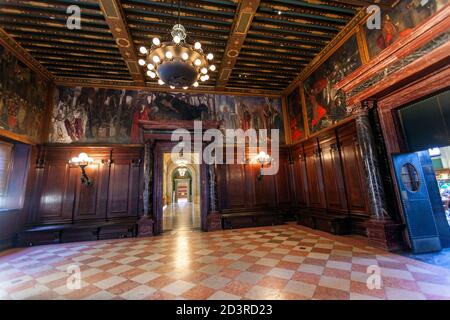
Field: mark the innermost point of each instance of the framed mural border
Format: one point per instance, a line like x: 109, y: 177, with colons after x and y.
x: 362, y: 44
x: 304, y: 109
x: 286, y: 120
x: 17, y: 137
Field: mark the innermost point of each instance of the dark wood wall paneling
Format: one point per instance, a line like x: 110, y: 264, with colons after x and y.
x: 113, y: 194
x: 63, y: 209
x: 248, y: 201
x: 320, y: 180
x: 329, y: 183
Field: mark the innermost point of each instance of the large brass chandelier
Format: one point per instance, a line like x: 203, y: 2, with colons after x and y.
x: 176, y: 63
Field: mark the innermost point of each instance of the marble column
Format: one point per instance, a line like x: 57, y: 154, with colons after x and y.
x: 382, y: 230
x: 214, y: 219
x: 145, y: 223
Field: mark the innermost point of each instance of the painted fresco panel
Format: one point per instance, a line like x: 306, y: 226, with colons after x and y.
x: 325, y: 104
x: 22, y: 97
x: 399, y: 22
x: 95, y: 115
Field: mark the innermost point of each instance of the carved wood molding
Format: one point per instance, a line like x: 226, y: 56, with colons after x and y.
x: 115, y: 18
x: 425, y: 46
x: 8, y: 42
x: 241, y: 24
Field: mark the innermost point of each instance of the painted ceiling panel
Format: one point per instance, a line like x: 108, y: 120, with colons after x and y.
x: 283, y: 37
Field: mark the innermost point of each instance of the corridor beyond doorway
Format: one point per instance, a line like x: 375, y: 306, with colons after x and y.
x: 181, y: 185
x: 181, y: 216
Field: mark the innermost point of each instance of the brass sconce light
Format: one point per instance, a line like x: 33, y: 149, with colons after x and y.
x: 82, y: 161
x: 262, y: 158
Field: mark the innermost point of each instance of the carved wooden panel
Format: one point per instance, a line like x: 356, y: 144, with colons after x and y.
x: 114, y: 193
x: 91, y: 200
x: 352, y: 170
x: 235, y: 185
x: 332, y: 174
x: 316, y: 194
x: 264, y: 189
x: 300, y: 178
x: 123, y: 196
x: 58, y: 193
x: 282, y: 183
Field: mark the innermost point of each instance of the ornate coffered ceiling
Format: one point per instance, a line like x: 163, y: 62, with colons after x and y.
x: 259, y: 45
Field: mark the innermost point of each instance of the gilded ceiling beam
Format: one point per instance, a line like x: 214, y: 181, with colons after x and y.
x: 23, y: 55
x: 115, y: 18
x: 241, y: 25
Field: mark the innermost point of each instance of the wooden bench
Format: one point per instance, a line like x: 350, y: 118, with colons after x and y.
x: 246, y: 219
x: 325, y: 221
x: 80, y: 231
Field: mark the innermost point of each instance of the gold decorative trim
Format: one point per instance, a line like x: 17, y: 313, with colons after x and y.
x: 119, y: 30
x: 236, y: 38
x: 286, y: 120
x: 304, y: 110
x: 362, y: 45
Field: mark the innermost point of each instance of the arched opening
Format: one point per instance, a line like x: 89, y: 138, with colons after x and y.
x: 181, y: 193
x: 181, y: 185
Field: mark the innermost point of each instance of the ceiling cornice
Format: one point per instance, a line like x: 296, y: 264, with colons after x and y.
x: 130, y: 85
x: 241, y: 25
x: 115, y: 18
x: 8, y: 42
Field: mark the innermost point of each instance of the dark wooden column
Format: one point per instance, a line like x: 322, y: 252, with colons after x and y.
x: 214, y: 219
x: 382, y: 230
x: 145, y: 223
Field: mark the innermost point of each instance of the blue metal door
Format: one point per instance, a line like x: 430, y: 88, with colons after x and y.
x: 416, y: 203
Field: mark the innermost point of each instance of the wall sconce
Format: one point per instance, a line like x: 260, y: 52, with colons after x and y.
x: 82, y: 161
x: 262, y: 158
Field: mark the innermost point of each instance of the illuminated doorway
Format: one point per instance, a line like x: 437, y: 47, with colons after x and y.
x: 181, y: 192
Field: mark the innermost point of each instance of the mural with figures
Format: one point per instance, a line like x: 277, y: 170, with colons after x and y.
x: 325, y: 104
x: 22, y: 97
x: 295, y: 112
x: 95, y: 115
x: 400, y: 21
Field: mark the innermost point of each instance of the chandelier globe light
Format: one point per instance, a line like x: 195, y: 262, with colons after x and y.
x: 176, y: 63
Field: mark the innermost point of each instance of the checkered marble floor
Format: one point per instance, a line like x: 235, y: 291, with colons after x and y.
x: 280, y: 262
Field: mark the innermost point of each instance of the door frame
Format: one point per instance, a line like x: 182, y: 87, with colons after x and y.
x: 162, y: 147
x: 388, y: 105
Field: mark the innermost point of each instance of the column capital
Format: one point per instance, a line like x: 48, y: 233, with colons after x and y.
x: 362, y: 108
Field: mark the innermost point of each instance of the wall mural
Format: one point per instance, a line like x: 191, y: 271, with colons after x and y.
x: 400, y: 21
x: 94, y: 115
x: 22, y: 97
x: 325, y: 105
x: 295, y: 112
